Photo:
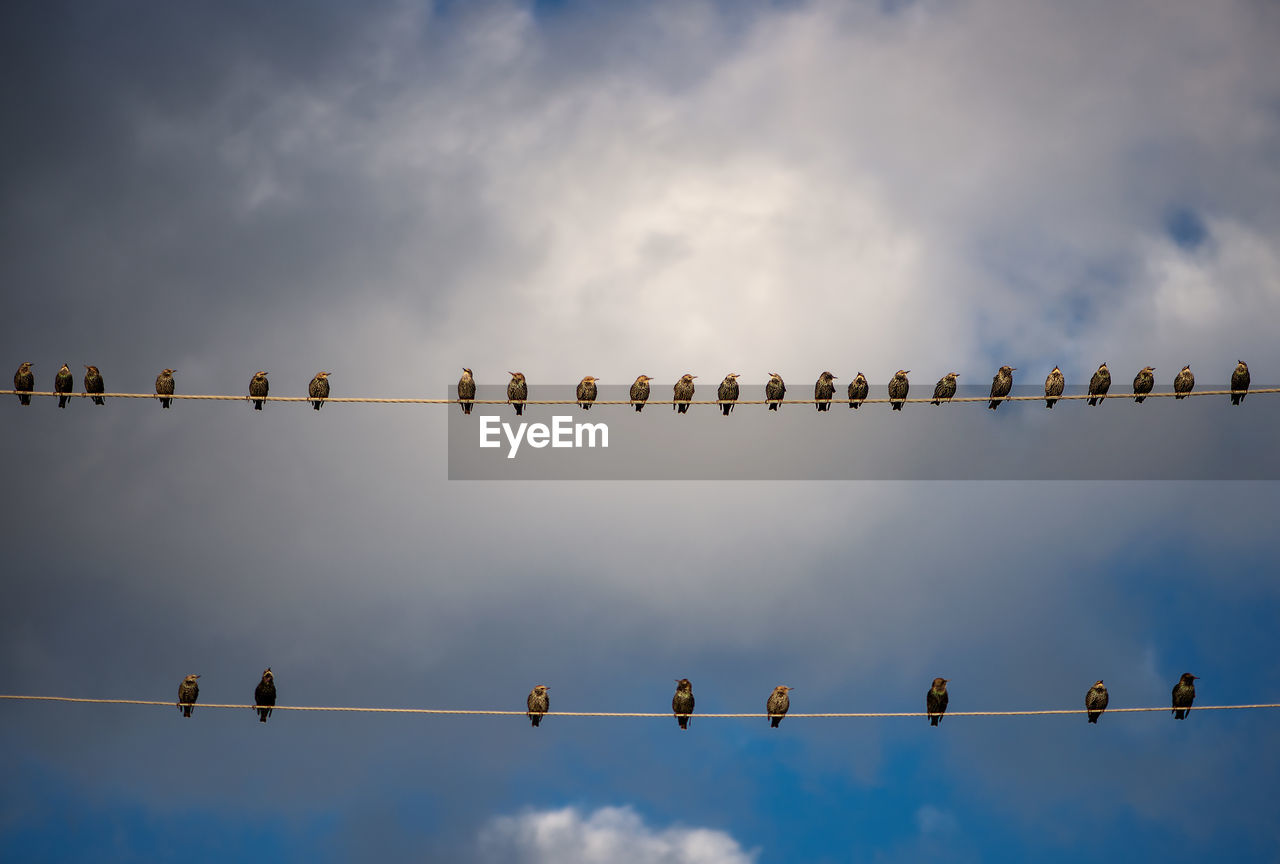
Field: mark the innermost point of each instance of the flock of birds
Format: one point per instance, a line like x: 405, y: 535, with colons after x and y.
x: 682, y: 703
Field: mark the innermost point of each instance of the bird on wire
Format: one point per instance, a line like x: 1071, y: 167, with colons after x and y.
x: 1099, y: 384
x: 24, y: 381
x: 538, y: 703
x: 264, y: 695
x: 778, y: 705
x: 93, y: 384
x: 1142, y: 383
x: 1184, y: 693
x: 188, y: 693
x: 1183, y: 384
x: 1095, y: 701
x: 1001, y: 385
x: 62, y: 384
x: 945, y: 388
x: 1239, y: 382
x: 683, y: 393
x: 640, y: 392
x: 318, y: 389
x: 258, y: 389
x: 164, y: 387
x: 823, y: 389
x: 728, y: 392
x: 775, y: 390
x: 1053, y: 387
x: 517, y: 391
x: 586, y: 392
x: 935, y: 701
x: 899, y: 386
x: 858, y: 390
x: 682, y: 702
x: 466, y: 390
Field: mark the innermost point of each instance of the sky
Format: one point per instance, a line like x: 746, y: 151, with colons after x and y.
x: 392, y: 191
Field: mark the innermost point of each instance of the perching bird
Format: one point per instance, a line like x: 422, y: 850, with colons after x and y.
x: 640, y: 392
x: 24, y: 380
x: 258, y: 388
x: 1099, y: 384
x: 684, y: 392
x: 1183, y: 383
x: 188, y: 693
x: 858, y: 390
x: 539, y: 703
x: 264, y: 695
x: 1142, y: 383
x: 823, y: 390
x: 728, y: 392
x: 945, y: 389
x: 93, y: 384
x: 318, y: 389
x: 778, y: 705
x: 1184, y: 693
x: 62, y: 384
x: 517, y: 391
x: 1053, y: 387
x: 1095, y: 701
x: 1239, y: 381
x: 164, y: 386
x: 899, y: 386
x: 935, y: 701
x: 774, y: 390
x: 682, y: 702
x: 586, y: 392
x: 1001, y: 385
x: 466, y: 390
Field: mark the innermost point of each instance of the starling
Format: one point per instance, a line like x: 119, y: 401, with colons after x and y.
x: 935, y: 701
x: 318, y: 389
x: 586, y: 393
x: 778, y: 705
x: 898, y: 388
x: 258, y: 388
x: 188, y: 693
x: 684, y: 392
x: 1053, y: 387
x: 857, y: 390
x: 93, y: 384
x: 1184, y: 693
x: 24, y: 380
x: 1239, y: 382
x: 466, y: 390
x: 774, y: 390
x: 682, y: 702
x: 264, y: 695
x: 164, y: 386
x: 945, y: 389
x: 1099, y: 384
x: 1001, y: 385
x: 62, y: 383
x: 728, y: 392
x: 640, y: 392
x: 517, y: 391
x: 539, y: 703
x: 1095, y: 701
x: 1183, y: 383
x: 823, y: 390
x: 1142, y: 383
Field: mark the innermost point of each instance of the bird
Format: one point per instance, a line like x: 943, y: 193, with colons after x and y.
x: 24, y: 381
x: 318, y: 389
x: 264, y: 695
x: 1099, y: 384
x: 62, y: 384
x: 586, y: 392
x: 1239, y: 382
x: 164, y: 386
x: 684, y: 392
x: 946, y: 388
x: 466, y: 390
x: 857, y: 390
x: 1142, y: 383
x: 517, y: 391
x: 1183, y: 383
x: 898, y: 389
x: 1095, y: 701
x: 1184, y: 693
x: 682, y: 702
x: 188, y: 693
x: 823, y: 390
x: 640, y: 392
x: 778, y: 705
x: 258, y: 388
x: 539, y: 703
x: 728, y: 392
x: 1001, y: 384
x: 1053, y: 387
x: 93, y: 384
x: 935, y: 701
x: 775, y: 390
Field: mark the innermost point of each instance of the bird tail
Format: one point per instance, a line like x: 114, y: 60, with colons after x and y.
x: 683, y: 721
x: 62, y: 401
x: 466, y: 407
x: 774, y: 721
x: 24, y: 400
x: 995, y: 403
x: 1093, y: 400
x: 1093, y: 718
x: 682, y: 409
x: 1235, y: 398
x: 98, y: 400
x: 936, y: 402
x: 1179, y: 714
x: 519, y: 408
x: 639, y: 407
x: 262, y: 714
x: 935, y: 719
x: 535, y: 719
x: 853, y: 405
x: 773, y: 406
x: 1048, y: 403
x: 1139, y: 399
x: 897, y: 406
x: 164, y: 403
x: 257, y: 404
x: 1180, y: 396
